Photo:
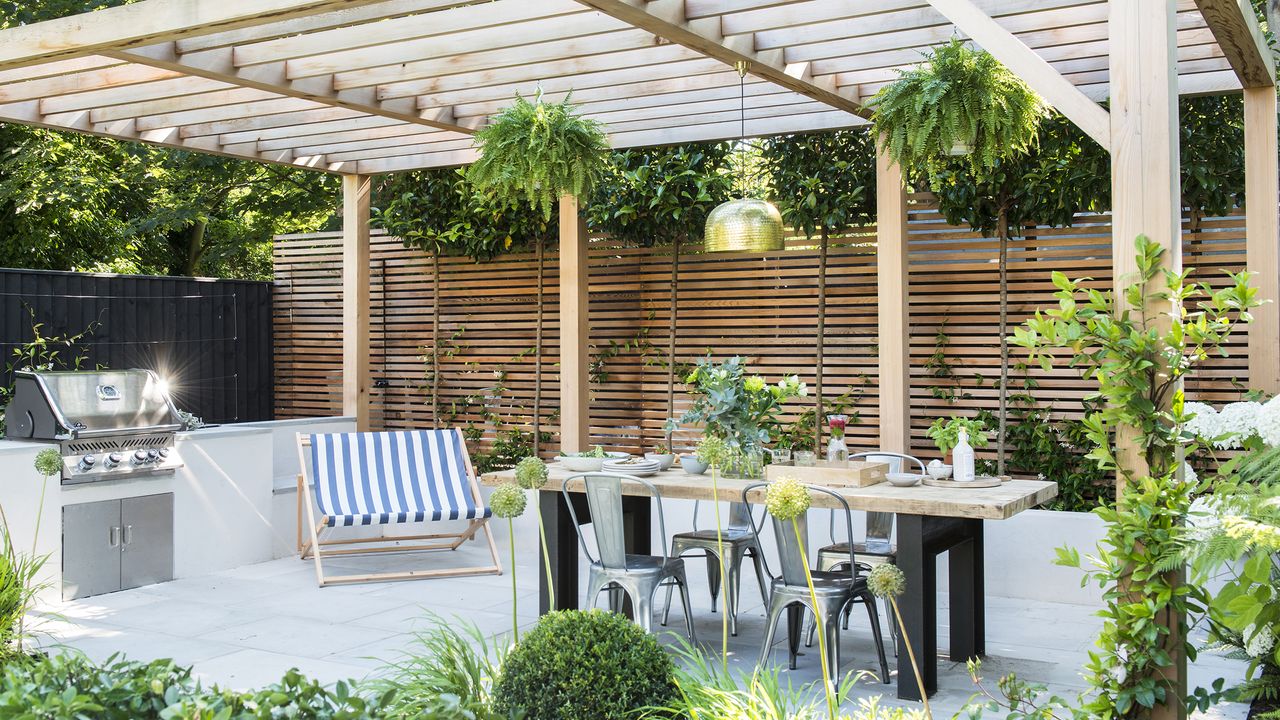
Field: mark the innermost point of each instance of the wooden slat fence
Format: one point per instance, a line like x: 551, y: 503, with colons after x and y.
x: 759, y: 305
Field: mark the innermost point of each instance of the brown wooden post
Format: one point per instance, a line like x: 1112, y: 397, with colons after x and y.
x: 355, y: 298
x: 1262, y: 234
x: 575, y: 421
x: 891, y: 291
x: 1146, y: 200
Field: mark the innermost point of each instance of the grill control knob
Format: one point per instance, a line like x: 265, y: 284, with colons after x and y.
x: 139, y: 457
x: 114, y: 459
x: 152, y: 455
x: 87, y: 462
x: 164, y: 453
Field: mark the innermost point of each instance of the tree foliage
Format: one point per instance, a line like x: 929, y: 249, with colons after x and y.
x: 650, y: 196
x: 822, y: 180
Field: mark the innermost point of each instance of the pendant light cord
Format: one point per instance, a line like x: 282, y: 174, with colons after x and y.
x: 741, y: 67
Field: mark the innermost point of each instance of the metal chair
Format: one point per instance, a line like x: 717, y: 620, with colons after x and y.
x: 638, y: 576
x: 878, y: 547
x: 835, y: 590
x: 739, y: 542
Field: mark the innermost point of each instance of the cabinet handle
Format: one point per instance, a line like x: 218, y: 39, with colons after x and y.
x: 114, y: 536
x: 128, y: 534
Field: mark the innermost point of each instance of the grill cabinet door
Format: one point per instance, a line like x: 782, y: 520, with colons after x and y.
x: 91, y: 537
x: 147, y: 540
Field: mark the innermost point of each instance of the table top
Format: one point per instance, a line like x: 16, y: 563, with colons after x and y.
x: 997, y: 503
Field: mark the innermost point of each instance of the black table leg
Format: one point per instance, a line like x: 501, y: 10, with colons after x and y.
x: 562, y: 542
x: 918, y: 605
x: 637, y: 513
x: 968, y: 603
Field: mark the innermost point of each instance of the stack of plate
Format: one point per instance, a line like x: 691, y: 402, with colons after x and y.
x: 638, y: 467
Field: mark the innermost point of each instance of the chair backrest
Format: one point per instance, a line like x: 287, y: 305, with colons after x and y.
x: 790, y: 559
x: 880, y: 524
x: 402, y: 476
x: 604, y: 501
x: 739, y: 516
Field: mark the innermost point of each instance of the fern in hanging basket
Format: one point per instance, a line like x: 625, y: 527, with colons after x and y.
x: 535, y: 152
x: 959, y: 101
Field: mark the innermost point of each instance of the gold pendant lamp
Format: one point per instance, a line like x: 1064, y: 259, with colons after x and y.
x: 749, y: 224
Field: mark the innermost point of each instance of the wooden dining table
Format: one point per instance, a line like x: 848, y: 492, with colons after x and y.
x: 930, y: 521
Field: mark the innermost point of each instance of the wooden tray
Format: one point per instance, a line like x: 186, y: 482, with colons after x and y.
x: 986, y: 481
x: 856, y: 474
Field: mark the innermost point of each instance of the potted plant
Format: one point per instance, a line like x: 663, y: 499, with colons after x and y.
x: 945, y: 433
x: 959, y: 101
x: 661, y: 455
x: 738, y: 408
x: 697, y: 462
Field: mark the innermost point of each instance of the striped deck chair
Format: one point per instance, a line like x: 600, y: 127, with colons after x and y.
x: 386, y: 478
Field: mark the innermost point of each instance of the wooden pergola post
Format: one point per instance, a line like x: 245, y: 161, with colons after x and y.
x: 355, y: 298
x: 893, y: 340
x: 575, y: 420
x: 1262, y: 234
x: 1145, y: 182
x: 1146, y: 200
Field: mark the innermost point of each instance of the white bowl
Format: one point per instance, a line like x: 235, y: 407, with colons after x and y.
x: 617, y: 455
x: 577, y: 463
x: 902, y: 479
x: 939, y: 472
x: 665, y: 460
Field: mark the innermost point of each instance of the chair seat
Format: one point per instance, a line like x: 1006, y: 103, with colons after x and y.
x: 875, y: 555
x: 704, y: 537
x: 824, y: 583
x: 647, y: 565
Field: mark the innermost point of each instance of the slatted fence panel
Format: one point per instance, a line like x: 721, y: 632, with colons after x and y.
x: 762, y: 306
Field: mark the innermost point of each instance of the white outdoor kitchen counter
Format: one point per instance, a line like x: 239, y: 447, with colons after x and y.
x: 226, y: 512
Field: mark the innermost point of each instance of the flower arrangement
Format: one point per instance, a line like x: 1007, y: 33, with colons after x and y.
x: 738, y: 408
x: 837, y: 424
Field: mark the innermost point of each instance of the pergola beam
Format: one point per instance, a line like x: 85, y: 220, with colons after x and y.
x: 1026, y: 64
x: 1235, y: 26
x: 219, y: 65
x: 667, y: 19
x: 144, y: 23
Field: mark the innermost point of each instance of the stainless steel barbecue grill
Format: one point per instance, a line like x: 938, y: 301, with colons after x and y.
x: 109, y: 424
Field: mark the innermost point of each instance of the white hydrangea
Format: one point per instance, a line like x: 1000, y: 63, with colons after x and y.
x: 1267, y: 422
x: 1237, y: 422
x: 1203, y: 419
x: 1189, y: 473
x: 1259, y: 641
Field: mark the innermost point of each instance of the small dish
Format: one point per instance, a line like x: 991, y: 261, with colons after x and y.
x: 939, y: 472
x: 902, y: 479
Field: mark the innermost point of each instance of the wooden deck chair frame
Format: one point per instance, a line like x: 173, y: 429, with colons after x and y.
x: 318, y: 548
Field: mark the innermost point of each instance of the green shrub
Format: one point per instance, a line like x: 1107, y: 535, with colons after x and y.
x: 72, y: 687
x: 585, y: 665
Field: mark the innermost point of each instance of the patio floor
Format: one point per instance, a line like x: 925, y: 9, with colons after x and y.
x: 245, y: 627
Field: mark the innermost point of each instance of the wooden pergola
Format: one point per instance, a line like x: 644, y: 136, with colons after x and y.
x: 360, y: 87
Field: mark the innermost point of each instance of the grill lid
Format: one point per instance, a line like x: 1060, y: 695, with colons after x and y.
x: 76, y: 404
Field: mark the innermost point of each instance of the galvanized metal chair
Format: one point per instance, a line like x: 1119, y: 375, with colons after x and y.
x: 878, y: 548
x: 835, y: 590
x: 739, y: 542
x: 638, y: 576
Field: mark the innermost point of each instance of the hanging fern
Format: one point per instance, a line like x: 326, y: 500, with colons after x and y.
x: 958, y: 95
x: 536, y: 152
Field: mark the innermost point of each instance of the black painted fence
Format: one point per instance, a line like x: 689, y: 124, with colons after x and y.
x: 211, y: 339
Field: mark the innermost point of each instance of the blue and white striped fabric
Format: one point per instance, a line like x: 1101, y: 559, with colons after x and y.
x: 377, y: 478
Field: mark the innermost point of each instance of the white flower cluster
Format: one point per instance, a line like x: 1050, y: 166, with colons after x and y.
x: 1236, y: 423
x: 1259, y: 641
